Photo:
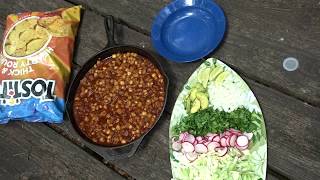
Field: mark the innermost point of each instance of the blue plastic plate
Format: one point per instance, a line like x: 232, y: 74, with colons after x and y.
x: 187, y: 30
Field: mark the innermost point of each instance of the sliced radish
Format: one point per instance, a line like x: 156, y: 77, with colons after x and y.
x: 201, y: 142
x: 242, y: 141
x: 183, y: 152
x: 174, y: 139
x: 187, y: 147
x: 201, y: 148
x: 211, y: 134
x: 228, y: 140
x: 191, y: 156
x: 232, y: 140
x: 223, y: 141
x: 176, y: 146
x: 210, y: 138
x: 182, y: 136
x: 212, y: 145
x: 199, y: 138
x: 234, y: 131
x: 195, y: 142
x: 249, y: 135
x: 227, y: 133
x: 216, y: 139
x: 242, y: 148
x: 189, y: 138
x: 221, y: 151
x: 207, y: 143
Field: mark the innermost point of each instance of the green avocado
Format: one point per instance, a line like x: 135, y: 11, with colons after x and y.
x: 203, y: 98
x: 203, y: 76
x: 215, y: 72
x: 193, y: 94
x: 199, y: 87
x: 221, y: 78
x: 195, y: 106
x: 187, y: 104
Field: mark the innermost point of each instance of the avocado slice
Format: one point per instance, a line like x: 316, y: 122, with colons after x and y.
x: 215, y: 72
x: 187, y: 104
x: 203, y: 76
x: 221, y: 78
x: 195, y: 106
x: 193, y: 94
x: 199, y: 87
x: 203, y: 98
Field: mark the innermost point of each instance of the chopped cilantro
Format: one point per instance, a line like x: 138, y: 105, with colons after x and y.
x: 217, y: 121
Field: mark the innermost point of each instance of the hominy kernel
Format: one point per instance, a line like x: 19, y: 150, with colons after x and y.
x: 101, y: 139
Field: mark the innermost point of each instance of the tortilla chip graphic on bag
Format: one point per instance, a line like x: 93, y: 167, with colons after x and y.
x: 27, y: 35
x: 46, y: 21
x: 71, y: 14
x: 35, y: 64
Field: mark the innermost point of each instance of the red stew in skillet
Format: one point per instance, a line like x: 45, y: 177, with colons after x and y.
x: 119, y: 99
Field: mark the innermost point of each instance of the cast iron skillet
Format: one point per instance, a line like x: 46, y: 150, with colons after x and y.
x: 121, y: 151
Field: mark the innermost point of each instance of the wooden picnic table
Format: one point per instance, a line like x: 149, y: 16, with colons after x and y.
x: 260, y: 35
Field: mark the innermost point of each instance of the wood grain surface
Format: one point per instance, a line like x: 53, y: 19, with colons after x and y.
x: 34, y: 151
x: 253, y: 47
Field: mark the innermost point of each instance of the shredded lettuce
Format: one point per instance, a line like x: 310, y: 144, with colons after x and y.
x: 234, y: 165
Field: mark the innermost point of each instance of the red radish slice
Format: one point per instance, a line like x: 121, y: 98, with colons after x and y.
x: 223, y: 141
x: 210, y: 138
x: 201, y: 148
x: 227, y: 133
x: 221, y: 151
x: 182, y: 150
x: 212, y: 145
x: 207, y: 143
x: 176, y: 146
x: 249, y: 135
x: 228, y: 141
x: 201, y: 142
x: 195, y: 142
x: 199, y: 138
x: 211, y: 134
x: 191, y: 156
x: 242, y: 141
x: 174, y: 139
x: 187, y: 147
x: 232, y: 140
x: 242, y: 148
x: 234, y: 131
x: 216, y: 139
x: 189, y: 138
x: 182, y: 136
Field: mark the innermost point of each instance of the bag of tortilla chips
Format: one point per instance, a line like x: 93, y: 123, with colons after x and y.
x: 35, y: 63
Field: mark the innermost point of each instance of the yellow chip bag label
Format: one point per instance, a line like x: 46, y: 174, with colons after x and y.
x: 35, y: 64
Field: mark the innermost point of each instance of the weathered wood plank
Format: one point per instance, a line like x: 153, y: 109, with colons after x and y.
x: 35, y: 151
x: 272, y: 177
x: 261, y: 33
x: 155, y: 151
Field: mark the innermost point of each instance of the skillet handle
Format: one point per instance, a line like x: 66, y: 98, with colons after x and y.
x: 109, y: 26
